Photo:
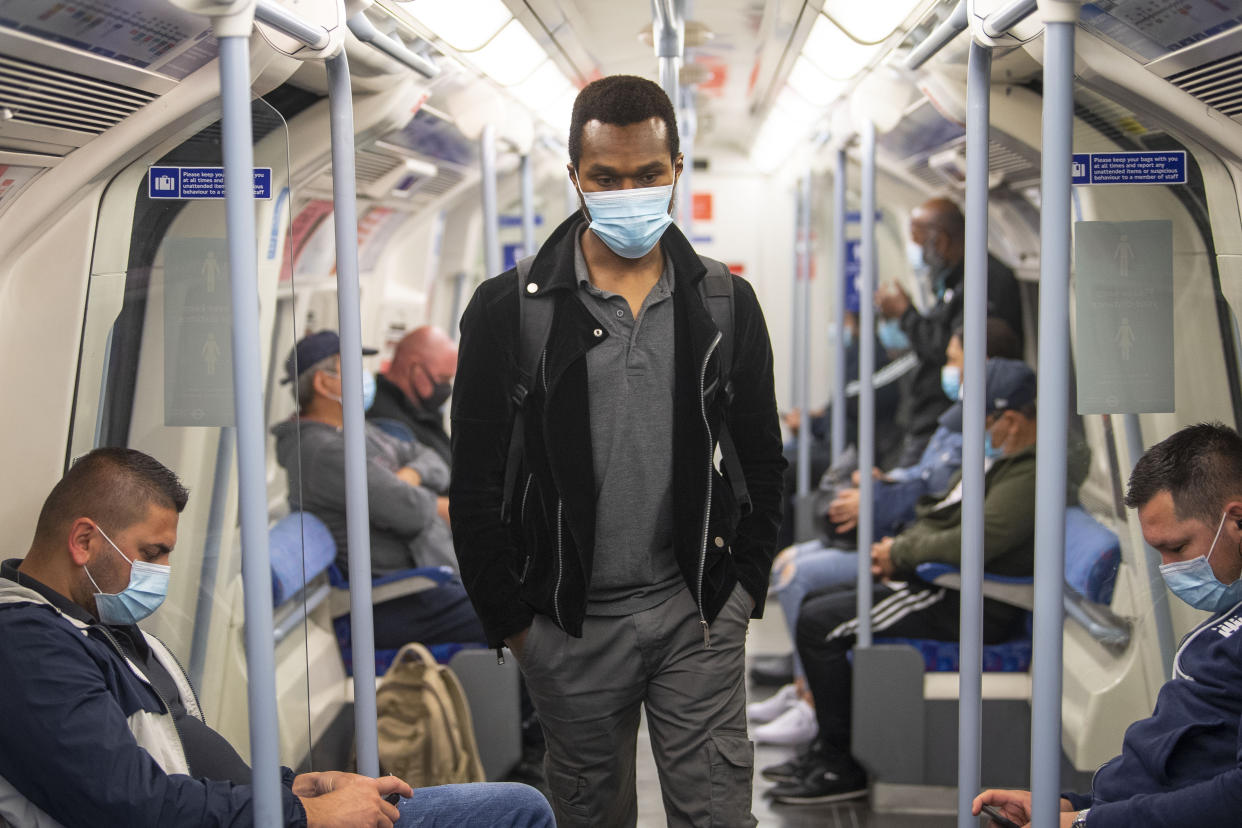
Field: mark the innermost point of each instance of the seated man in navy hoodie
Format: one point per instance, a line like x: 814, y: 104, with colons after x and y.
x: 103, y: 727
x: 1179, y: 767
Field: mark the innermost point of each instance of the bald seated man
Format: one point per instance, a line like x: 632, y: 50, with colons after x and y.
x: 411, y: 394
x: 937, y: 252
x: 103, y: 727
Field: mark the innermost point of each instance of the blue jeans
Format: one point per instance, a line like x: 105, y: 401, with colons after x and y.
x: 478, y: 805
x: 816, y: 567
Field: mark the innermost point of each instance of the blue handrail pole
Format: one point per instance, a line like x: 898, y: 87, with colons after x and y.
x: 1060, y: 19
x: 975, y: 313
x: 357, y: 510
x: 838, y: 306
x: 866, y: 387
x: 238, y: 154
x: 803, y: 309
x: 491, y: 210
x: 528, y: 204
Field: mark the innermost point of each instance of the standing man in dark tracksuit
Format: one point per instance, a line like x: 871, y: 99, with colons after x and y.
x: 628, y: 572
x: 937, y: 239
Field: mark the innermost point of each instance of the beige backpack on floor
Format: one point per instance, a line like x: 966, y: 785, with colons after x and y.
x: 426, y: 736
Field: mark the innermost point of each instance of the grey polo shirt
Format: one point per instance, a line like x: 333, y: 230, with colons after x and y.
x: 630, y: 376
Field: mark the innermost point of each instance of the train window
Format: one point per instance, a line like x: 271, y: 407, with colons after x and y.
x: 155, y: 373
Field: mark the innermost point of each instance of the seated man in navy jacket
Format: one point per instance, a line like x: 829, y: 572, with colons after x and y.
x: 103, y: 727
x: 1180, y: 767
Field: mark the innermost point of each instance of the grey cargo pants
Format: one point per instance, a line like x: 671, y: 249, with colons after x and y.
x: 588, y: 692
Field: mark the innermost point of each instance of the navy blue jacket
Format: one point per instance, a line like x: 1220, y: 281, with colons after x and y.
x: 1182, y: 766
x: 82, y: 730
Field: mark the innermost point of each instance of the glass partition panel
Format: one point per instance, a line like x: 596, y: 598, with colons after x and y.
x: 156, y: 373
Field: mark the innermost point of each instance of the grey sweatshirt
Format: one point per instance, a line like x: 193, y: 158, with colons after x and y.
x: 405, y: 529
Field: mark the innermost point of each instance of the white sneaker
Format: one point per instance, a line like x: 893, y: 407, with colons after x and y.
x: 762, y: 712
x: 796, y: 726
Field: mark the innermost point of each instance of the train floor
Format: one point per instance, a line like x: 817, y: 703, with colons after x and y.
x: 768, y: 636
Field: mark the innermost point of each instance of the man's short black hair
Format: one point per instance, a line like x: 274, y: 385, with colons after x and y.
x: 1199, y: 466
x: 111, y: 486
x: 1001, y: 339
x: 621, y: 100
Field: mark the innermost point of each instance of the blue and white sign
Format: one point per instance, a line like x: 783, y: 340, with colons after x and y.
x: 1129, y: 167
x: 200, y: 182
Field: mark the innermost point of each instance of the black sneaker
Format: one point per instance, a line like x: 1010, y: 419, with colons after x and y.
x: 793, y: 770
x: 824, y: 781
x: 772, y: 670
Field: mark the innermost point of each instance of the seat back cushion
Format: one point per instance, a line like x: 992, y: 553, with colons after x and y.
x: 301, y: 547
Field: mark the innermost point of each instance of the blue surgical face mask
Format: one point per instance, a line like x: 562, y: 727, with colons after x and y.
x: 914, y: 256
x: 631, y: 221
x: 892, y: 337
x: 991, y: 451
x: 368, y: 390
x: 951, y: 382
x: 1195, y: 583
x: 847, y: 337
x: 148, y: 586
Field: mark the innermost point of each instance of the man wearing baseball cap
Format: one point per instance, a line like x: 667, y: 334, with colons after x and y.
x: 406, y: 483
x: 905, y: 606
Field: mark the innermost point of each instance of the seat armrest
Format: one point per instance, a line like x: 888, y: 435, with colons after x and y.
x: 1018, y: 591
x: 1102, y: 623
x: 394, y: 585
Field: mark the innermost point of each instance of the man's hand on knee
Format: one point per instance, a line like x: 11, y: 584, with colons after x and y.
x: 335, y: 799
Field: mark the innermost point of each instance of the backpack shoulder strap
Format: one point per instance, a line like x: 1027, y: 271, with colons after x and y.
x: 534, y: 324
x: 717, y: 290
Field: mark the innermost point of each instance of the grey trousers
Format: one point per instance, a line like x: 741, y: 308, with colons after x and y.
x: 588, y: 692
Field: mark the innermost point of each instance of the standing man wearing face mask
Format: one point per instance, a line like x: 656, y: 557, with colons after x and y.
x: 937, y: 236
x: 629, y: 569
x: 1179, y: 768
x: 410, y: 395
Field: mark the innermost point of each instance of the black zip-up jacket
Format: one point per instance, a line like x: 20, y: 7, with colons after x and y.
x: 541, y: 562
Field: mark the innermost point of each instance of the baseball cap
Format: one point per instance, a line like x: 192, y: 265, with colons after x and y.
x: 1010, y: 383
x: 311, y: 349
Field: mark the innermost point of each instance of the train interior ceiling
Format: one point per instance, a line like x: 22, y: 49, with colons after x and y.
x: 111, y: 296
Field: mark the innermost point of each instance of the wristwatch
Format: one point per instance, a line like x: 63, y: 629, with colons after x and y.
x: 1080, y: 821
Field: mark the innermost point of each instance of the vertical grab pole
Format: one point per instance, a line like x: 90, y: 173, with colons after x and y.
x: 528, y: 205
x: 357, y: 511
x: 866, y: 387
x: 970, y: 674
x: 491, y: 212
x: 238, y: 152
x: 1060, y: 20
x: 802, y: 307
x: 838, y: 307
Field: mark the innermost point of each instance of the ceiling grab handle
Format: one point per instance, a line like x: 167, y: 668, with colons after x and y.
x: 1060, y: 21
x: 365, y: 31
x: 940, y: 37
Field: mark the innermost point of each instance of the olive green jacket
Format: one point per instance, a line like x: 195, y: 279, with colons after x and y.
x: 1008, y: 518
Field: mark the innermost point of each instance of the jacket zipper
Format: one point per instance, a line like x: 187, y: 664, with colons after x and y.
x: 526, y: 494
x: 167, y: 707
x: 707, y: 503
x: 560, y: 511
x: 202, y: 717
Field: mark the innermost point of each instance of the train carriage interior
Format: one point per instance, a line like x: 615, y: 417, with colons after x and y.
x: 117, y: 307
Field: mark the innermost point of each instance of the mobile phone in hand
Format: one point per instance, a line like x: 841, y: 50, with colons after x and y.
x: 998, y: 817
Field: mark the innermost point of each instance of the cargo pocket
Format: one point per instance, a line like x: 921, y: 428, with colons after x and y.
x: 568, y: 796
x: 732, y: 758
